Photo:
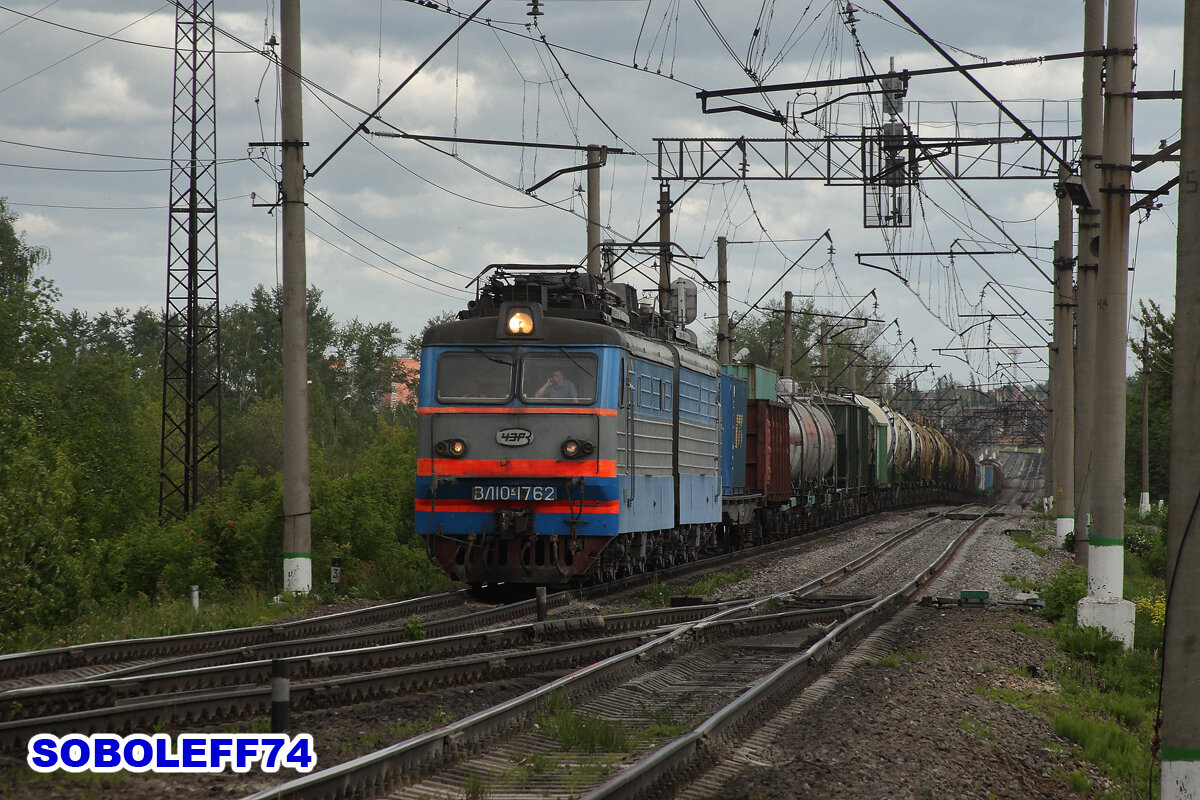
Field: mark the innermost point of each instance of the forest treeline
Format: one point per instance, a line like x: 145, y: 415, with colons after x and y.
x: 80, y: 436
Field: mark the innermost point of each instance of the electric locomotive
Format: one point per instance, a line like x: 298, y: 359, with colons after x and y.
x: 568, y: 433
x: 564, y: 432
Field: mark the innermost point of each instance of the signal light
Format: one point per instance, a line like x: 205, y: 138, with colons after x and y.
x: 572, y: 448
x: 451, y: 448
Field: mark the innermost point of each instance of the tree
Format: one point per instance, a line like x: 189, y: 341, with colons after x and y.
x: 760, y: 333
x: 412, y: 345
x: 854, y: 357
x: 41, y: 558
x: 1156, y: 361
x: 18, y: 260
x: 252, y: 344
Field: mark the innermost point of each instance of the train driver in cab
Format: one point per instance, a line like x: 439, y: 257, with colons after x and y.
x: 557, y: 387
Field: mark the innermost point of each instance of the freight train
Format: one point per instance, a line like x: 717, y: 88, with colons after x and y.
x: 568, y: 434
x: 991, y: 477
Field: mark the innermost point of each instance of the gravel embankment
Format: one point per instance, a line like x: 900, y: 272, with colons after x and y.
x: 909, y: 716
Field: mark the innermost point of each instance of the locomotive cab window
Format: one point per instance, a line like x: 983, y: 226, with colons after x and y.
x: 559, y: 378
x: 476, y: 377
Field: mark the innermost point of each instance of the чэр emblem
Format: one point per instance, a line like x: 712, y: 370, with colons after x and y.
x: 514, y: 437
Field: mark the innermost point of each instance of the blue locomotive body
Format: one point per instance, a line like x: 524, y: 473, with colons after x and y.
x: 566, y: 434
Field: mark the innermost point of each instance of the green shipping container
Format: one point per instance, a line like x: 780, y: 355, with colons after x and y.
x: 760, y: 381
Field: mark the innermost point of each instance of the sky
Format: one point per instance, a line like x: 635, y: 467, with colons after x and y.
x: 396, y: 229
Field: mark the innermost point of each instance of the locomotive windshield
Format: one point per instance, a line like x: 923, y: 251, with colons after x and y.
x: 558, y: 378
x: 476, y: 377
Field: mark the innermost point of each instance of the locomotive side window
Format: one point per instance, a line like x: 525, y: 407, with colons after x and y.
x: 476, y: 377
x: 559, y: 378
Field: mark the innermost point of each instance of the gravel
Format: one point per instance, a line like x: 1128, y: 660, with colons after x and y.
x: 908, y: 717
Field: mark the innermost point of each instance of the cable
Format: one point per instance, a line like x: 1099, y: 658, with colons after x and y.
x: 26, y: 18
x: 84, y: 152
x: 112, y: 208
x: 375, y: 114
x: 107, y: 171
x: 392, y: 244
x: 375, y: 266
x: 77, y: 52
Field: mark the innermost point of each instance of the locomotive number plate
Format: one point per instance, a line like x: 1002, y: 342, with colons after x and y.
x: 514, y: 493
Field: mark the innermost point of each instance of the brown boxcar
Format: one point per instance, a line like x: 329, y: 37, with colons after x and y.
x: 768, y: 468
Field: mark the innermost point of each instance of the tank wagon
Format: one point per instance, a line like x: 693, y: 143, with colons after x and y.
x: 567, y: 434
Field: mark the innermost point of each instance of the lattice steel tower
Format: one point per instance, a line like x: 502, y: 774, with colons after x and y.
x: 190, y: 464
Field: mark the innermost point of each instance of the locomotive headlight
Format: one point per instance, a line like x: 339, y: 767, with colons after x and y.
x: 452, y: 448
x: 520, y: 321
x: 573, y: 448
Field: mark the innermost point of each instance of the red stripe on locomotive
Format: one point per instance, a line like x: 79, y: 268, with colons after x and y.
x: 517, y: 468
x: 599, y: 412
x: 545, y: 507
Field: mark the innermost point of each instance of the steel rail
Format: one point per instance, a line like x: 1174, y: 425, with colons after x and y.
x: 335, y: 654
x: 42, y: 661
x: 408, y: 759
x: 715, y: 733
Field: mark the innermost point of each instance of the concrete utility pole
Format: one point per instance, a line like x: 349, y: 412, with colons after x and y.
x: 1051, y: 406
x: 1181, y: 668
x: 297, y: 516
x: 1091, y: 134
x: 786, y: 372
x: 824, y: 350
x: 724, y: 344
x: 664, y: 249
x: 1063, y: 376
x: 1104, y: 606
x: 594, y: 266
x: 1144, y: 499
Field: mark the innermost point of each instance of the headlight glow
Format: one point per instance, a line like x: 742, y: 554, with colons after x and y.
x: 452, y: 448
x: 520, y: 321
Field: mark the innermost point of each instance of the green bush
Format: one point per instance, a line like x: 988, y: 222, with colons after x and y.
x: 1067, y: 587
x: 1090, y: 644
x: 45, y: 564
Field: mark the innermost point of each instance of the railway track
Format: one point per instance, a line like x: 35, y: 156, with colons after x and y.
x: 53, y: 663
x: 331, y: 670
x: 680, y: 670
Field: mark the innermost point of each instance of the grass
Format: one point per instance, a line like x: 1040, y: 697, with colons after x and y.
x: 413, y: 630
x: 589, y: 747
x: 969, y: 725
x: 893, y: 659
x: 1021, y: 584
x: 663, y: 725
x: 1108, y: 696
x: 583, y: 733
x: 474, y: 788
x: 659, y: 595
x: 1028, y: 540
x: 399, y: 731
x: 577, y: 732
x: 142, y: 617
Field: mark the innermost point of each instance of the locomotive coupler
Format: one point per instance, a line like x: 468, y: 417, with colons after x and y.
x: 512, y: 522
